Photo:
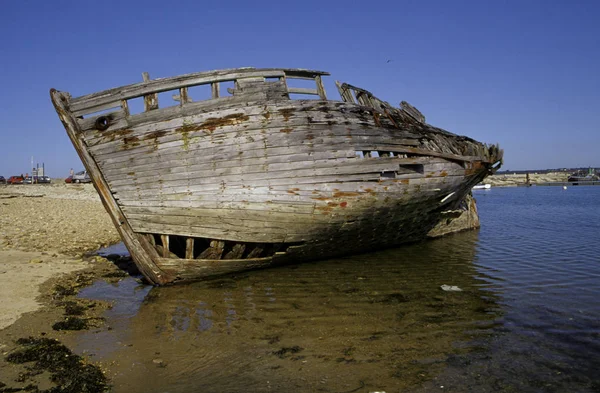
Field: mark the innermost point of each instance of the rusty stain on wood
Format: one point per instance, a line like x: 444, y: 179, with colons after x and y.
x: 130, y: 142
x: 338, y: 194
x: 287, y: 113
x: 212, y: 123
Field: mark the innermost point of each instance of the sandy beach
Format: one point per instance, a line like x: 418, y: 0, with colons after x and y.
x: 49, y: 235
x: 45, y: 232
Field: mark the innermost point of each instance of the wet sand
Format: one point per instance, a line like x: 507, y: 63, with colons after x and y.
x: 45, y: 230
x: 48, y: 238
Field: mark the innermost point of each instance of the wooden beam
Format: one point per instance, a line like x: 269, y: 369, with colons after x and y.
x: 189, y: 248
x: 125, y: 107
x: 214, y: 251
x: 320, y: 87
x: 165, y: 245
x: 345, y: 93
x: 183, y: 96
x: 150, y: 100
x: 303, y: 90
x: 150, y: 238
x: 214, y: 88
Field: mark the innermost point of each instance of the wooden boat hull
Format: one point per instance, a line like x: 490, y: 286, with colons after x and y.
x: 257, y: 179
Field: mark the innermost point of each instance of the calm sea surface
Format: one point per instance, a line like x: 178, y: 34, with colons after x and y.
x: 527, y: 318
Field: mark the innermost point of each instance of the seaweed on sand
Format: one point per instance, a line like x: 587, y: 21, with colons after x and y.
x: 285, y: 350
x: 72, y: 308
x: 71, y: 323
x: 68, y: 371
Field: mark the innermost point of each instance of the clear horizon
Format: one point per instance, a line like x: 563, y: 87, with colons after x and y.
x: 521, y: 74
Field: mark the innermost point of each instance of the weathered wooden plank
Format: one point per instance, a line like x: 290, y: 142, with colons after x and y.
x: 454, y: 157
x: 302, y: 112
x: 214, y: 88
x: 184, y: 97
x: 213, y: 233
x: 236, y: 252
x: 202, y: 213
x: 345, y: 93
x: 150, y: 100
x: 165, y: 245
x: 117, y: 120
x: 405, y: 213
x: 361, y: 203
x: 117, y: 160
x: 290, y: 200
x: 270, y: 182
x: 242, y: 149
x: 214, y: 251
x: 189, y: 248
x: 124, y: 107
x: 238, y: 131
x: 287, y: 181
x: 241, y: 225
x: 353, y: 167
x: 215, y: 205
x: 294, y: 169
x: 303, y: 90
x: 130, y: 142
x: 150, y: 238
x: 320, y: 87
x: 195, y: 269
x: 162, y: 164
x: 116, y: 105
x: 180, y: 143
x: 412, y: 111
x: 198, y: 112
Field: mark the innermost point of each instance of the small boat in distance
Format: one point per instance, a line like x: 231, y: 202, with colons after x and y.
x: 255, y: 174
x: 482, y: 186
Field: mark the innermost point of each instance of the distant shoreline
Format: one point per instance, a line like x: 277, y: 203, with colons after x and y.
x: 516, y: 179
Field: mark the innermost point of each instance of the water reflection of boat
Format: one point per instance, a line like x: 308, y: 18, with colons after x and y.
x: 379, y: 318
x: 249, y: 177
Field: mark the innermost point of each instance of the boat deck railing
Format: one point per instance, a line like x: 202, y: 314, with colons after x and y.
x: 92, y: 104
x: 245, y: 82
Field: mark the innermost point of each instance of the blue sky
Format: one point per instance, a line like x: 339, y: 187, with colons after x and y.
x: 525, y: 74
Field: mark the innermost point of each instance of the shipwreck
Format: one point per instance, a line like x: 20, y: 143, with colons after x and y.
x: 260, y: 172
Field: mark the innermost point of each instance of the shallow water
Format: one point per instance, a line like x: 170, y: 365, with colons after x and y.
x: 527, y: 318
